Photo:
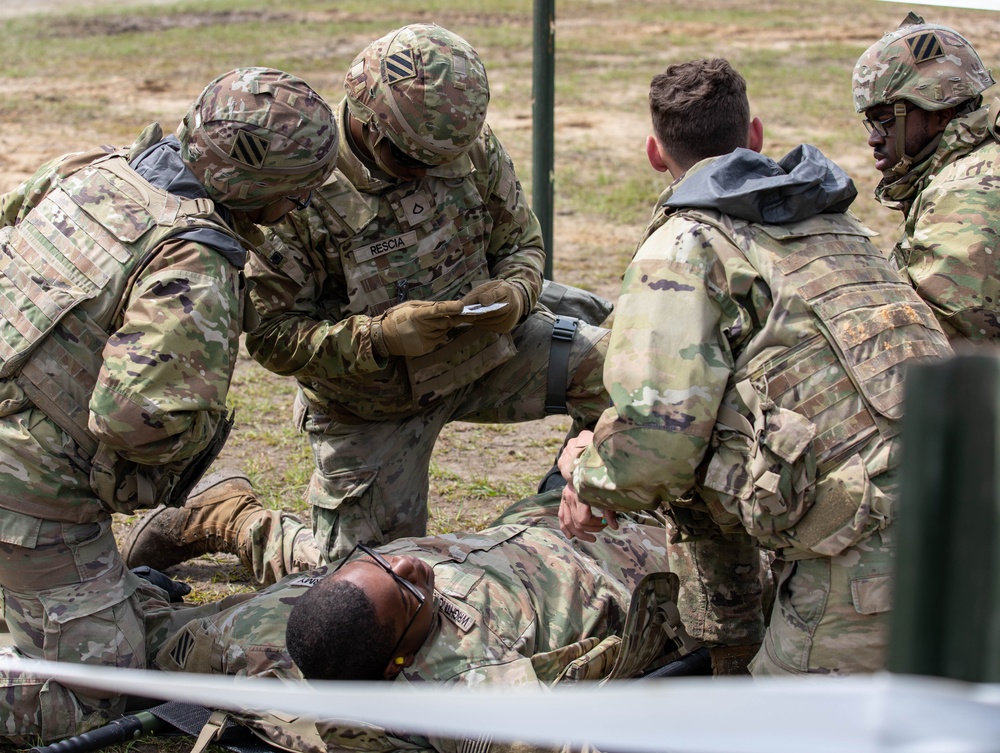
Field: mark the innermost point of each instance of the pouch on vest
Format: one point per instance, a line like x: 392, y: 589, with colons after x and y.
x: 768, y: 479
x: 476, y: 351
x: 125, y: 486
x: 764, y: 473
x: 566, y: 300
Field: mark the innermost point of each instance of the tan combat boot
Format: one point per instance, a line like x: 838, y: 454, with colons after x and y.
x: 210, y: 521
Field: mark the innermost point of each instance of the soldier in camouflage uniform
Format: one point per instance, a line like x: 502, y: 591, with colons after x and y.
x: 936, y: 145
x: 361, y: 299
x: 755, y: 369
x: 516, y: 603
x: 124, y: 300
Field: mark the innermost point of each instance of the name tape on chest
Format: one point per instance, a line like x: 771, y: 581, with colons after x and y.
x: 462, y: 619
x: 368, y: 251
x: 307, y: 581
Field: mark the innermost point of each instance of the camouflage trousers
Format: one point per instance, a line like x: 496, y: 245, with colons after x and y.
x: 828, y: 615
x: 68, y: 597
x: 271, y: 544
x: 722, y: 588
x: 371, y: 480
x: 831, y: 614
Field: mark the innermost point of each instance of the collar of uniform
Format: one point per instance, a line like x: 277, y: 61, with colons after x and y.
x: 670, y: 190
x: 962, y: 135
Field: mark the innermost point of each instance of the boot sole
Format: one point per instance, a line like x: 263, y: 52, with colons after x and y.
x: 207, y: 482
x: 135, y: 533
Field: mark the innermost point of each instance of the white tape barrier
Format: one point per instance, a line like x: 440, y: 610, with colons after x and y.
x: 873, y: 714
x: 973, y: 4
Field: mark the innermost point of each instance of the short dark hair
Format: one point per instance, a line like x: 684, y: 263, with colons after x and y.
x: 699, y: 110
x: 333, y: 633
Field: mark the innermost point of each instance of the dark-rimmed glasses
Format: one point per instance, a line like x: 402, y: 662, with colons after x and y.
x: 881, y: 127
x: 379, y: 560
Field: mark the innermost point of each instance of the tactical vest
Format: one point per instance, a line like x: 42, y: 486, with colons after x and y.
x: 66, y: 272
x: 424, y: 240
x: 817, y: 392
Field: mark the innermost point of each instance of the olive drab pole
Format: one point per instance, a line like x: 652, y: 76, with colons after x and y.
x: 946, y: 604
x: 543, y: 82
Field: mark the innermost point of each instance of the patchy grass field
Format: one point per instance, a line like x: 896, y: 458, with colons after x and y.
x: 75, y: 73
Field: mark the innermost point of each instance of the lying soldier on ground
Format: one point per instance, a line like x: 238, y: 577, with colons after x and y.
x: 515, y: 603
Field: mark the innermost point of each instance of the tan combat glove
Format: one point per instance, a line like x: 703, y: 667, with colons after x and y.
x: 414, y: 328
x: 497, y: 291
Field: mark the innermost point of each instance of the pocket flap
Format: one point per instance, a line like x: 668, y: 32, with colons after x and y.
x: 788, y: 434
x: 872, y: 595
x: 78, y: 600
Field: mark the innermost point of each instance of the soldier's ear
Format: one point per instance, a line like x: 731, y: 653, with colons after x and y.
x: 654, y: 153
x: 755, y: 135
x: 396, y: 665
x: 939, y: 119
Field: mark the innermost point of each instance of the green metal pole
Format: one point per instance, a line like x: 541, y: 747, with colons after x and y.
x: 946, y: 612
x: 543, y: 122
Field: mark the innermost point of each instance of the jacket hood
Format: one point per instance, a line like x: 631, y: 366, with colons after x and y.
x: 754, y: 187
x: 162, y: 166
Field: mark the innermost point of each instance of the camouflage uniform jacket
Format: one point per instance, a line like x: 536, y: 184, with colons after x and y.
x: 949, y: 247
x: 756, y: 358
x: 154, y: 394
x: 515, y: 604
x: 366, y: 244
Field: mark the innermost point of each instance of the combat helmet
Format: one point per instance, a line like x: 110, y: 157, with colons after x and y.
x: 422, y: 87
x: 255, y: 135
x: 932, y: 66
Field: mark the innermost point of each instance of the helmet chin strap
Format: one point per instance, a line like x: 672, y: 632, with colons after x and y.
x: 903, y: 163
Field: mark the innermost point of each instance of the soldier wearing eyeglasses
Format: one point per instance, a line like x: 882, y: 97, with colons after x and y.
x: 935, y: 143
x: 516, y: 603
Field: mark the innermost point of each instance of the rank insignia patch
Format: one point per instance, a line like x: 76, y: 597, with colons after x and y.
x: 399, y: 66
x: 181, y: 649
x: 925, y: 47
x: 250, y: 149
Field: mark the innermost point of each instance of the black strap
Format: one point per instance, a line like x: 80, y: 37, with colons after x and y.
x: 190, y: 718
x: 562, y: 340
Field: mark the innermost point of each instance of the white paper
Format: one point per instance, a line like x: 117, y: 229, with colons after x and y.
x: 476, y: 308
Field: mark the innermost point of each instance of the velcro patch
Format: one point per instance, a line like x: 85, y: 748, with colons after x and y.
x: 399, y: 66
x: 250, y: 149
x: 925, y: 47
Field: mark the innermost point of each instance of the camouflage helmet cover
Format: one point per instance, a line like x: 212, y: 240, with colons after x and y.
x: 932, y: 66
x: 257, y: 134
x: 424, y: 88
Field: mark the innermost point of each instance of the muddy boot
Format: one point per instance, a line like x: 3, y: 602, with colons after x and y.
x: 210, y: 521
